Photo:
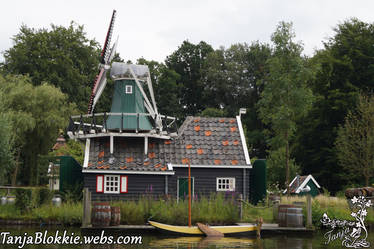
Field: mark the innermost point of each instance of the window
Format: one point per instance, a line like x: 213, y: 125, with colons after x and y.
x: 225, y: 184
x: 128, y: 89
x: 111, y: 184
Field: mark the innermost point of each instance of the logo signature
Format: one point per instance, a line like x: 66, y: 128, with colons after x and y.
x: 353, y: 234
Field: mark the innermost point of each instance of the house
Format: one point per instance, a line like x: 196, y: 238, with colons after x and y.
x: 301, y: 182
x: 64, y: 172
x: 137, y: 151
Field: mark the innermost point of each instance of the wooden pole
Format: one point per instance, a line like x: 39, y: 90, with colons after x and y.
x: 86, y: 208
x: 189, y: 193
x: 309, y: 210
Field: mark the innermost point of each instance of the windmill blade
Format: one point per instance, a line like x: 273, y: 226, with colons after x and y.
x: 113, y: 51
x: 100, y: 89
x: 100, y: 80
x: 106, y: 47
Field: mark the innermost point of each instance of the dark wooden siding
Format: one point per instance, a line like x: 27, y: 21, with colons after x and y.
x: 154, y: 185
x: 205, y: 180
x: 137, y: 185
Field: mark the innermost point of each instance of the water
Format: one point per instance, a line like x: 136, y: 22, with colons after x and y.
x: 159, y: 240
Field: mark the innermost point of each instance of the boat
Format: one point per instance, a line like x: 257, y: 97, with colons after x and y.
x: 194, y: 230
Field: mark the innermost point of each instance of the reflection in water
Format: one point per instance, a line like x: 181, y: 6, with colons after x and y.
x: 202, y: 242
x: 158, y: 240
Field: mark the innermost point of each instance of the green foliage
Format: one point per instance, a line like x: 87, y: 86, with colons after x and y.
x: 23, y: 200
x: 213, y: 112
x: 276, y: 168
x: 233, y: 79
x: 73, y: 193
x: 355, y: 142
x: 62, y: 56
x: 40, y: 196
x: 36, y: 113
x: 345, y: 70
x: 187, y: 61
x: 286, y: 96
x: 73, y: 148
x: 6, y: 153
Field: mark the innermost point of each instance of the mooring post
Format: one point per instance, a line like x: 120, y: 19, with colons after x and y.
x: 309, y: 211
x: 86, y: 219
x: 241, y: 206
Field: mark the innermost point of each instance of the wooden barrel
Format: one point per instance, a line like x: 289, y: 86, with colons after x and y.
x: 369, y: 191
x: 101, y: 214
x: 282, y: 211
x: 115, y: 219
x: 294, y: 217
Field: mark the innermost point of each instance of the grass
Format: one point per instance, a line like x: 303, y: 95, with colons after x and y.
x: 214, y: 210
x: 67, y: 213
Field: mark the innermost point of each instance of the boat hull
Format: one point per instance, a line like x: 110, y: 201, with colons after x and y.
x: 194, y: 230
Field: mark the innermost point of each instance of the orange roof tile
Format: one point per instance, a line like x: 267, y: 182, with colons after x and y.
x: 129, y: 159
x: 225, y: 142
x: 158, y: 165
x: 236, y: 142
x: 184, y: 160
x: 222, y: 121
x: 197, y: 128
x: 208, y: 133
x: 200, y: 151
x: 234, y: 162
x: 146, y: 163
x: 151, y: 145
x: 167, y: 141
x: 217, y: 162
x: 123, y: 167
x: 189, y: 146
x: 164, y: 168
x: 101, y: 154
x: 151, y: 155
x: 232, y: 121
x: 196, y: 120
x: 232, y: 129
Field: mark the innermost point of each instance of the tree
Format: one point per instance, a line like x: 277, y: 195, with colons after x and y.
x: 36, y: 113
x: 72, y: 148
x: 6, y: 155
x: 187, y: 61
x: 213, y: 112
x: 286, y: 96
x: 355, y: 141
x: 233, y: 79
x: 344, y: 71
x: 64, y: 57
x: 276, y: 168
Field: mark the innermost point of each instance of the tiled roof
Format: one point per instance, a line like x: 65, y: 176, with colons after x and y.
x: 204, y: 141
x: 296, y: 183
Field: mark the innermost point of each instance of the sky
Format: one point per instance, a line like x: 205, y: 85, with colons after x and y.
x: 153, y: 29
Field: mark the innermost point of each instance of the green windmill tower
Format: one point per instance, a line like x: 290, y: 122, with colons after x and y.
x: 130, y: 99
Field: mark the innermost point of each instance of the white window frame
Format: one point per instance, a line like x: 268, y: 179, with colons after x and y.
x: 128, y: 89
x: 225, y: 184
x: 116, y: 186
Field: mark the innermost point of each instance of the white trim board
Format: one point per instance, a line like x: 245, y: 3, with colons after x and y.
x: 302, y: 185
x: 86, y: 153
x: 211, y: 166
x: 242, y: 138
x: 128, y: 172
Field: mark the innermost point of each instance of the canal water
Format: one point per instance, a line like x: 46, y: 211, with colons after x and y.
x: 156, y: 240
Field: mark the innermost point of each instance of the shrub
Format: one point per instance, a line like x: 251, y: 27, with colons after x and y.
x: 23, y: 199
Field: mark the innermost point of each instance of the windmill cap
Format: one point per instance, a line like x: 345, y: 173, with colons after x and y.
x: 121, y: 70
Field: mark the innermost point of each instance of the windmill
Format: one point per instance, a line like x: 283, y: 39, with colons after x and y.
x: 133, y: 103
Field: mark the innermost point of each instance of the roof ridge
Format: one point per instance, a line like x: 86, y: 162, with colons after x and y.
x: 187, y: 121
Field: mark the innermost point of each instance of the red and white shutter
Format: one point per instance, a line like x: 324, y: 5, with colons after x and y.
x: 99, y: 183
x: 123, y: 184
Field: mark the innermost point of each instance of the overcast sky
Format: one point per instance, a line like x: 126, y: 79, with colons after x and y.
x: 154, y: 29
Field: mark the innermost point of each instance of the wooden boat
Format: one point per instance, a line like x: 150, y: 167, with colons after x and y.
x: 194, y: 230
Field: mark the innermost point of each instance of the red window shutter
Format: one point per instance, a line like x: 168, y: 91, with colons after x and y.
x: 123, y: 184
x: 99, y: 183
